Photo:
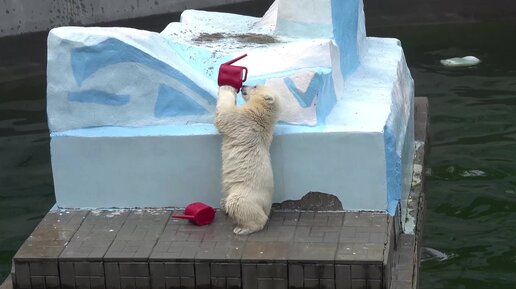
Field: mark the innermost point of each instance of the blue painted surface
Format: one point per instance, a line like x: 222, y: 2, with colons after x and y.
x: 99, y: 97
x: 172, y: 102
x: 306, y: 98
x: 89, y: 59
x: 393, y: 170
x: 345, y: 25
x: 325, y: 104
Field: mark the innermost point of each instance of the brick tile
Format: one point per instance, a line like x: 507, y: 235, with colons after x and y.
x: 112, y: 273
x: 312, y: 251
x: 101, y: 225
x: 313, y: 219
x: 358, y: 284
x: 218, y: 282
x: 181, y: 250
x: 271, y: 284
x: 52, y: 282
x: 375, y: 272
x: 82, y: 282
x: 44, y: 268
x: 202, y: 274
x: 37, y: 282
x: 328, y: 234
x: 93, y: 238
x: 88, y: 268
x: 272, y: 270
x: 295, y: 275
x: 58, y: 225
x: 143, y: 225
x: 374, y: 284
x: 172, y: 282
x: 357, y: 219
x: 139, y: 269
x: 372, y: 253
x: 266, y: 251
x: 284, y: 218
x: 232, y: 270
x: 347, y: 234
x: 303, y: 235
x: 40, y: 250
x: 401, y: 285
x: 233, y: 283
x: 359, y: 271
x: 378, y: 238
x: 127, y: 283
x: 142, y: 282
x: 157, y: 273
x: 132, y: 250
x: 265, y: 275
x: 92, y: 250
x: 221, y: 251
x: 187, y: 282
x: 22, y: 275
x: 249, y: 277
x: 274, y: 233
x: 319, y: 271
x: 311, y: 283
x: 67, y: 274
x: 327, y: 283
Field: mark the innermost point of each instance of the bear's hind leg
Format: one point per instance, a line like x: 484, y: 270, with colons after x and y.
x: 249, y: 218
x: 223, y: 204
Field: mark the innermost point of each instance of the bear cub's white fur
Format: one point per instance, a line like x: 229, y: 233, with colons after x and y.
x: 246, y: 166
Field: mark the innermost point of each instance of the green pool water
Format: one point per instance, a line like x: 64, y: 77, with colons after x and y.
x: 471, y: 188
x: 471, y: 191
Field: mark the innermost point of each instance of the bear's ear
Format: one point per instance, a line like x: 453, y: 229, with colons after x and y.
x: 269, y: 99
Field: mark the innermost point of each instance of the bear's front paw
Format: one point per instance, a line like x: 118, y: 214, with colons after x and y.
x: 228, y: 88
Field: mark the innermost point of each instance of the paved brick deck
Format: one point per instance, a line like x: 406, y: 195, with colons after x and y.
x: 130, y: 249
x: 148, y: 249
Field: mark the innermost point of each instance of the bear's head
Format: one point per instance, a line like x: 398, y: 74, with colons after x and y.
x: 260, y: 95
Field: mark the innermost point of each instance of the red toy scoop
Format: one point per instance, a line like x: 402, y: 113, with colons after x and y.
x: 198, y: 213
x: 232, y: 75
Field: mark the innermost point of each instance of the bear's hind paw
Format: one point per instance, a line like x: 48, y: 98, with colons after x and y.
x: 243, y: 231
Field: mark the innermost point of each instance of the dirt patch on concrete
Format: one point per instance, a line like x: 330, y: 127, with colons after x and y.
x: 247, y: 38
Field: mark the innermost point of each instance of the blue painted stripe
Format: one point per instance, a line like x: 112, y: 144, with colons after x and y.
x: 393, y: 171
x: 345, y: 25
x: 172, y: 102
x: 325, y: 104
x: 314, y: 87
x: 174, y: 130
x: 87, y: 60
x: 99, y: 97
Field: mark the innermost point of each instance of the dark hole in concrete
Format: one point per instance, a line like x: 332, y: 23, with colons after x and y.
x: 313, y: 201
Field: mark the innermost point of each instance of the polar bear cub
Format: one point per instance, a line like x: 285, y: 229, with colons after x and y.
x: 246, y: 165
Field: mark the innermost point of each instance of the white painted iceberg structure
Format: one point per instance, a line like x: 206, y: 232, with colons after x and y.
x: 131, y: 111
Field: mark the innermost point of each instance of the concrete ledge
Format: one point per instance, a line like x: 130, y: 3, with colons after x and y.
x: 25, y: 16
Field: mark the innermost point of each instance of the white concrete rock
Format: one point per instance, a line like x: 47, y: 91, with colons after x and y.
x: 131, y: 111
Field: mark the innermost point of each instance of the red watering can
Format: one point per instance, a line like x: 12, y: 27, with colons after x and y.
x: 198, y: 213
x: 232, y: 75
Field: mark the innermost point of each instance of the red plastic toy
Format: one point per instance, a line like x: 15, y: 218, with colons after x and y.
x: 232, y: 75
x: 198, y: 213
